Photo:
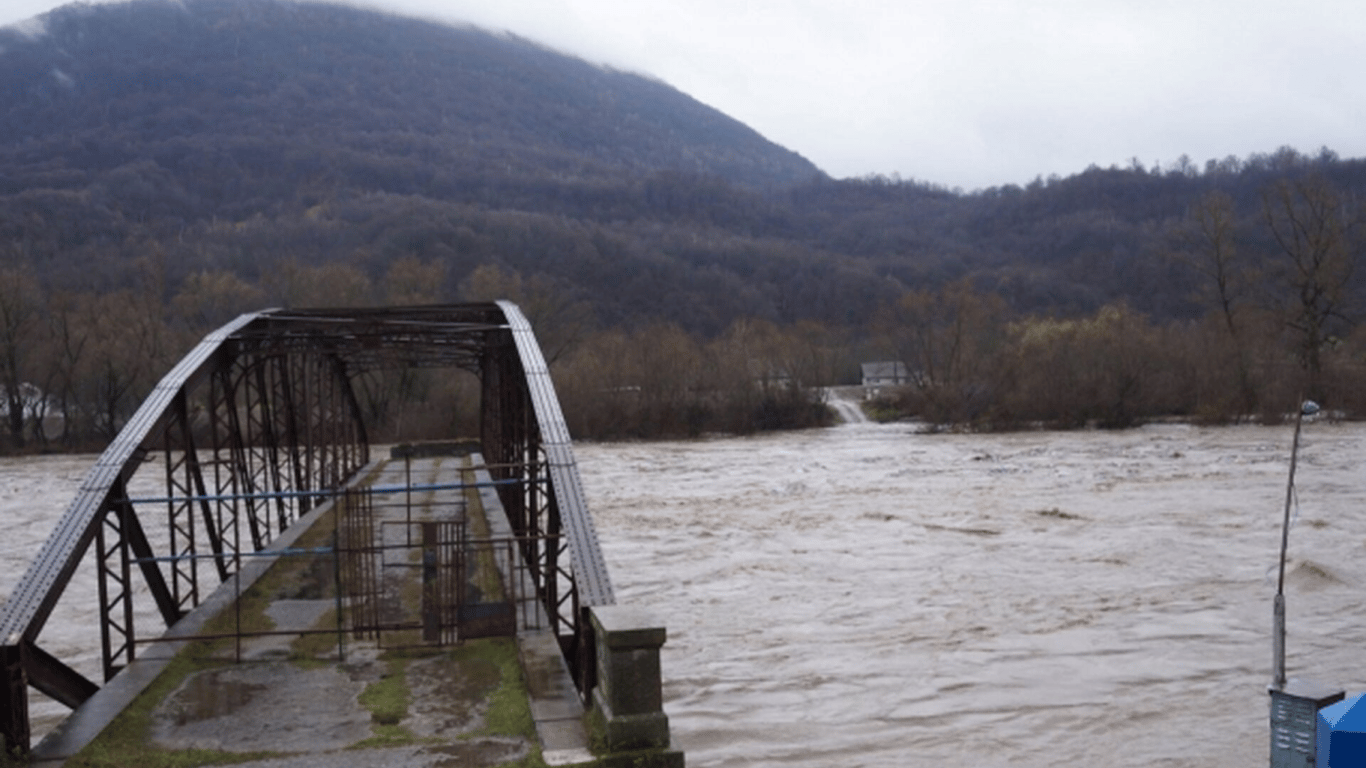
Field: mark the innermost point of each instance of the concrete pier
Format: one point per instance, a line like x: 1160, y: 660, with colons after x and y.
x: 627, y: 717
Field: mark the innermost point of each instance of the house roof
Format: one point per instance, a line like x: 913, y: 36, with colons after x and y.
x: 884, y: 369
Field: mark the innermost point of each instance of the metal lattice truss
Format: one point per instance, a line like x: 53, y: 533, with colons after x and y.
x: 258, y: 425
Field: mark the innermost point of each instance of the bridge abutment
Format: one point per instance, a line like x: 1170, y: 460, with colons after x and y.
x: 627, y: 717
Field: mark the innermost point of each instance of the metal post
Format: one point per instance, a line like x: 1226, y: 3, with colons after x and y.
x: 14, y: 720
x: 237, y: 614
x: 1309, y: 407
x: 336, y: 575
x: 431, y: 602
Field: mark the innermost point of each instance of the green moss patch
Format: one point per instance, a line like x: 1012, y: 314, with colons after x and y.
x: 387, y: 699
x: 509, y: 712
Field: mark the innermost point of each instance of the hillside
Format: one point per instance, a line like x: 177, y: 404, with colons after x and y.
x: 160, y: 78
x: 336, y: 134
x: 233, y: 136
x: 167, y: 165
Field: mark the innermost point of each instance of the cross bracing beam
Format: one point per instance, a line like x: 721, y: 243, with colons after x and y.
x: 258, y: 424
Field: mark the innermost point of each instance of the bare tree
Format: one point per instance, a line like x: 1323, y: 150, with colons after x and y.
x: 411, y: 281
x: 950, y: 339
x: 294, y: 285
x: 207, y: 299
x: 1207, y: 243
x: 67, y: 352
x: 560, y: 320
x: 1316, y: 233
x: 19, y: 305
x: 1210, y: 248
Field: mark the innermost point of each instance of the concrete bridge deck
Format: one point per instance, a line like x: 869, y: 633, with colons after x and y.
x: 326, y: 698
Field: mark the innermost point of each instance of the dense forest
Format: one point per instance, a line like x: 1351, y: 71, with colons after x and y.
x: 165, y: 166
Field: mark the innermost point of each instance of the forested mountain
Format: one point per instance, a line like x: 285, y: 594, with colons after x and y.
x: 237, y: 135
x: 141, y: 119
x: 165, y: 165
x: 312, y: 91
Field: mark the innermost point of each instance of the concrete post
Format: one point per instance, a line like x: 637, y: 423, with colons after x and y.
x: 628, y: 701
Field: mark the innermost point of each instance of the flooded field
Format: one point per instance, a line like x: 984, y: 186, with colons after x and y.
x: 869, y: 596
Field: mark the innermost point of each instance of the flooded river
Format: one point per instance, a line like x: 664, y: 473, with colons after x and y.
x: 868, y: 596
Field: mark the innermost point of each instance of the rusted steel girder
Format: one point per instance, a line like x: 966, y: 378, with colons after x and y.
x: 259, y: 424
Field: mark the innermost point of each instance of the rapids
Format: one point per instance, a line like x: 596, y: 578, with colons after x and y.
x: 869, y: 596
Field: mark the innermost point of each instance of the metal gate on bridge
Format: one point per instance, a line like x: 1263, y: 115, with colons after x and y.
x: 426, y: 582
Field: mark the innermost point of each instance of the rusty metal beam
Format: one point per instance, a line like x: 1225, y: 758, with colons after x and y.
x: 152, y: 576
x: 48, y: 674
x: 14, y: 722
x: 115, y: 585
x: 182, y: 469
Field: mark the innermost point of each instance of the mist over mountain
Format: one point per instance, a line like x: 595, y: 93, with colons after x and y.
x: 156, y: 71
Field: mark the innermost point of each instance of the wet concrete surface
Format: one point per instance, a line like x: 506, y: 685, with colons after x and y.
x: 313, y: 716
x: 449, y: 698
x: 264, y: 706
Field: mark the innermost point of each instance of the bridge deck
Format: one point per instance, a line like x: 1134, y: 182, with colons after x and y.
x: 302, y: 700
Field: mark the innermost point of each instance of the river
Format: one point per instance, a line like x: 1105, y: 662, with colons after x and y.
x: 867, y: 595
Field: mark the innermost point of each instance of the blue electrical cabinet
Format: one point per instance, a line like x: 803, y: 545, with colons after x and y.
x: 1341, y: 737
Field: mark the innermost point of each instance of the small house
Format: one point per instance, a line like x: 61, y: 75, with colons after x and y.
x: 889, y: 373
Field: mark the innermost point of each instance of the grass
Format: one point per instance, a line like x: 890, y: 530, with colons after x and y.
x: 388, y: 699
x: 485, y: 668
x: 509, y: 712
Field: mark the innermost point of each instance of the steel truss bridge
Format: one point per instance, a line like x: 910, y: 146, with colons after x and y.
x: 258, y: 425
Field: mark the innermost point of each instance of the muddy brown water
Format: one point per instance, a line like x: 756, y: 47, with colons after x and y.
x: 868, y: 595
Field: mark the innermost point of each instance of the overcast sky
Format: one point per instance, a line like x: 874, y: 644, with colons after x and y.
x: 974, y: 93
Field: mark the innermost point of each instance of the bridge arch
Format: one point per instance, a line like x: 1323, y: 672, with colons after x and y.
x: 255, y: 426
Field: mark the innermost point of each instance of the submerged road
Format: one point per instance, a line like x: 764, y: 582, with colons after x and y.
x: 846, y: 402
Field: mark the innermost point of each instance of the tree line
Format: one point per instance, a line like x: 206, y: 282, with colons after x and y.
x: 74, y: 367
x: 1278, y: 325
